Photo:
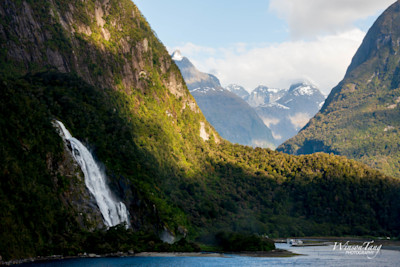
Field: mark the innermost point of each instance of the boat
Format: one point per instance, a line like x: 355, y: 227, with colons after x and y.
x: 300, y: 243
x: 294, y: 242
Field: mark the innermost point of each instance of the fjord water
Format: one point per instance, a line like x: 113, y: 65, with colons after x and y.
x: 311, y: 256
x: 113, y: 212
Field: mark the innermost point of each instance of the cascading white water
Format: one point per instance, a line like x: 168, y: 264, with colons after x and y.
x: 114, y: 212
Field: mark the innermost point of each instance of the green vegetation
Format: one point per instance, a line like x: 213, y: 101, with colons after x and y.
x: 146, y: 133
x: 205, y: 187
x: 360, y: 118
x: 244, y: 242
x: 120, y: 239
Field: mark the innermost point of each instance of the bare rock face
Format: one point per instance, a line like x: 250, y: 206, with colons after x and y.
x: 78, y: 196
x: 109, y: 45
x: 89, y: 38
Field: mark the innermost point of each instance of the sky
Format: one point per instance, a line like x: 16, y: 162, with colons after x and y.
x: 265, y: 42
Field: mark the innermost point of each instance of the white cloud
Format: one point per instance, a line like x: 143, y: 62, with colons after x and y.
x: 299, y: 120
x: 306, y: 18
x: 191, y: 48
x: 323, y: 61
x: 324, y: 40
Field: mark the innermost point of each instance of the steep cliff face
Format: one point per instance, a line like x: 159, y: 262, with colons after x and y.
x: 360, y: 118
x: 76, y: 194
x: 87, y: 61
x: 107, y: 43
x: 126, y: 101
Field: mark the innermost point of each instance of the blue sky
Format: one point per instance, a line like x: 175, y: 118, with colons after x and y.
x: 213, y: 22
x: 269, y: 42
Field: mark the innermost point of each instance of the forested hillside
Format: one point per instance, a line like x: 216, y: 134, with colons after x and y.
x: 98, y: 67
x: 360, y: 118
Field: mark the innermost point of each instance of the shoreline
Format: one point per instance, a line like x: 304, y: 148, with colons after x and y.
x: 272, y: 253
x: 386, y: 245
x: 179, y: 254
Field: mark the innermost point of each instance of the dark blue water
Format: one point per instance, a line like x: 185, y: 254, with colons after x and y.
x: 313, y: 256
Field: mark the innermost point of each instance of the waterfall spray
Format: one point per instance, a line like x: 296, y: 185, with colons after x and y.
x: 114, y: 212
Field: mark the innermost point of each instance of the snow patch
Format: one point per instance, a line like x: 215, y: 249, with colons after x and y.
x: 177, y: 56
x: 234, y: 87
x: 205, y: 90
x: 273, y: 90
x: 304, y: 90
x: 288, y: 101
x: 203, y: 134
x: 275, y: 105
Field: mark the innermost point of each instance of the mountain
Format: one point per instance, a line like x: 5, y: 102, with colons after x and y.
x: 229, y: 114
x: 98, y: 68
x: 238, y: 90
x: 264, y: 95
x: 194, y: 79
x: 360, y: 118
x: 303, y: 97
x: 284, y: 111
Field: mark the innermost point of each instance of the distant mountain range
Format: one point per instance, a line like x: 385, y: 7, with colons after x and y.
x: 284, y: 111
x: 98, y: 67
x: 233, y: 118
x: 238, y: 115
x: 238, y: 90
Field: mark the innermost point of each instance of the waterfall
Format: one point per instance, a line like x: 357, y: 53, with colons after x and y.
x: 114, y: 212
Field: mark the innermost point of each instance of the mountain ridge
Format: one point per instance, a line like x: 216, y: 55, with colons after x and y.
x: 284, y: 111
x: 238, y: 90
x: 127, y: 102
x: 358, y: 118
x: 231, y: 116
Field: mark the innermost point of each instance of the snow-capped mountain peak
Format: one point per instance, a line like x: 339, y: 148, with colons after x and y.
x: 238, y: 90
x: 303, y: 89
x: 177, y: 56
x: 264, y: 95
x: 206, y: 90
x: 234, y: 87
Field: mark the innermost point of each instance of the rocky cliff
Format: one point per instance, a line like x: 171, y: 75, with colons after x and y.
x: 97, y: 67
x: 106, y: 43
x: 76, y: 61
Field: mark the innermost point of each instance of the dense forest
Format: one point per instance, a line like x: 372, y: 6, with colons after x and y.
x: 144, y: 128
x: 221, y: 187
